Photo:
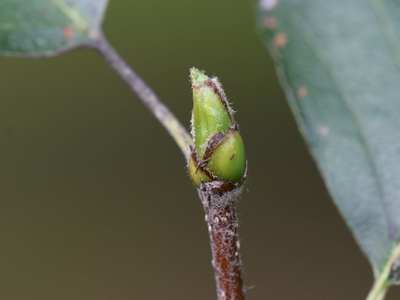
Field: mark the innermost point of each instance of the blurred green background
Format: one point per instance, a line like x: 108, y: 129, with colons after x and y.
x: 95, y: 202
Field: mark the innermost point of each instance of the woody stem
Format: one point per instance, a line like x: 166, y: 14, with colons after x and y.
x: 222, y: 224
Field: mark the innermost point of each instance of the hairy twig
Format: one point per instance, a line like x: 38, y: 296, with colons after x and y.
x: 145, y: 94
x: 219, y: 207
x: 219, y: 203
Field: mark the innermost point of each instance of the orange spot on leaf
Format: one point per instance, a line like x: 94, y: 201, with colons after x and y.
x: 302, y: 91
x: 323, y: 130
x: 280, y: 40
x: 270, y: 22
x: 68, y: 32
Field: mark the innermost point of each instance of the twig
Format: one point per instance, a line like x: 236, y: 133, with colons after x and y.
x: 145, y: 93
x: 219, y: 207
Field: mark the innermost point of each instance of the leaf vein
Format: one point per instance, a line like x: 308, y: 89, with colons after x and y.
x: 388, y: 29
x: 71, y: 14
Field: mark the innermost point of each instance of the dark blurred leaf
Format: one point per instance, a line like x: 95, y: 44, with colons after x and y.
x: 339, y: 64
x: 47, y: 27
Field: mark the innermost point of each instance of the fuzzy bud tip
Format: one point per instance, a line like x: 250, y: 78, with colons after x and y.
x: 218, y: 150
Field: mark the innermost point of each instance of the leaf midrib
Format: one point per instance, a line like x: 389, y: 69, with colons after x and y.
x: 388, y: 29
x: 76, y: 19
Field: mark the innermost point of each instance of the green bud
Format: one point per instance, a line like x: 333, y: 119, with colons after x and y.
x: 210, y: 113
x: 218, y: 151
x: 196, y: 174
x: 228, y: 162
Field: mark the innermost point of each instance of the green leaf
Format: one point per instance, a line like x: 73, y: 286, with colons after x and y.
x: 48, y: 27
x: 339, y: 64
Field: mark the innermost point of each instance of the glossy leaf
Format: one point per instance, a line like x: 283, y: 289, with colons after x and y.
x: 47, y: 27
x: 339, y: 64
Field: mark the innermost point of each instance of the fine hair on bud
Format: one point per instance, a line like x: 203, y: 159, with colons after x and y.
x: 218, y: 151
